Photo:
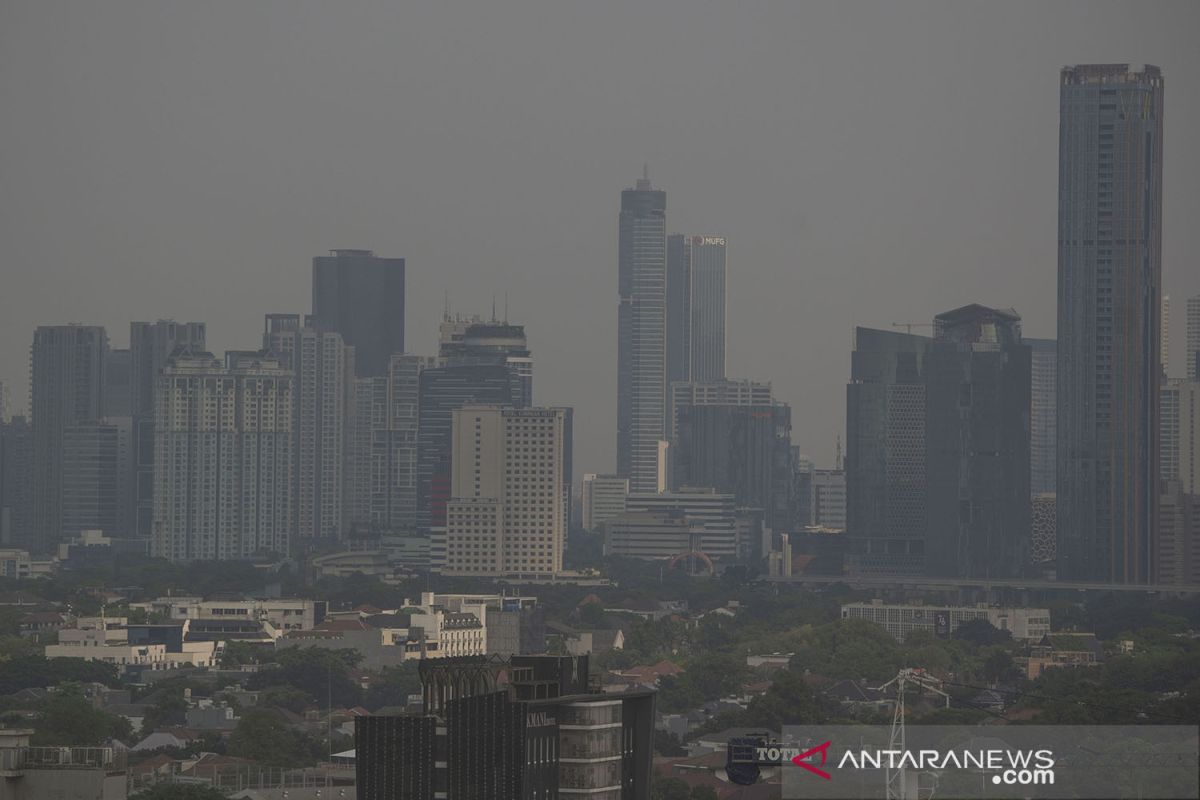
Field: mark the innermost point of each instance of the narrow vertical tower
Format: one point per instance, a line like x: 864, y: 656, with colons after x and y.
x: 642, y: 333
x: 1109, y: 327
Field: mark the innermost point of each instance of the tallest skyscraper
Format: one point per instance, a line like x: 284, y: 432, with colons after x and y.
x: 1109, y: 291
x: 642, y: 335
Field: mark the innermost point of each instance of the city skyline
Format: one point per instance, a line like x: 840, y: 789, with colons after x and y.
x: 836, y: 219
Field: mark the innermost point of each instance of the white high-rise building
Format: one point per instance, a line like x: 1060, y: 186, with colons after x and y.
x: 1193, y: 338
x: 508, y: 507
x: 828, y: 498
x: 323, y: 373
x: 223, y: 457
x: 383, y: 469
x: 1179, y: 437
x: 1165, y: 335
x: 603, y: 498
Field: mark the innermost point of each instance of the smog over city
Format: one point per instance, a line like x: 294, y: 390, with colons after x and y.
x: 658, y: 402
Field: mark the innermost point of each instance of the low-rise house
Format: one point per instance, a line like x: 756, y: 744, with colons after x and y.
x: 1063, y: 650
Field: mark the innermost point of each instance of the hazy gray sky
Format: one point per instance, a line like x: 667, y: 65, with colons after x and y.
x: 869, y: 164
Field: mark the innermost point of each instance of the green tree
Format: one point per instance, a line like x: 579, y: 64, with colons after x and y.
x: 262, y: 736
x: 704, y: 793
x: 69, y: 719
x: 789, y: 701
x: 981, y: 633
x: 669, y: 789
x: 393, y: 686
x: 324, y: 675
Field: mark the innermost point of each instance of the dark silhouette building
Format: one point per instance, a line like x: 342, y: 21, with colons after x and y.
x: 1109, y: 307
x: 68, y: 388
x: 743, y: 449
x: 977, y: 400
x: 886, y: 519
x: 361, y: 296
x: 150, y: 345
x: 16, y: 485
x: 526, y: 727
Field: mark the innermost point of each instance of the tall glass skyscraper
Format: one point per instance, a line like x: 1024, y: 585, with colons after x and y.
x: 641, y: 335
x: 695, y: 308
x: 1109, y: 292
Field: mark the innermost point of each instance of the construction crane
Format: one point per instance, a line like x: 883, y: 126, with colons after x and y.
x: 908, y: 326
x: 901, y: 786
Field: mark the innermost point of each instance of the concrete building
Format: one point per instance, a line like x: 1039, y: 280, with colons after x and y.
x: 383, y: 472
x: 6, y: 406
x: 977, y: 402
x: 1028, y: 624
x: 467, y: 341
x: 1178, y: 546
x: 1109, y: 331
x: 78, y: 773
x: 513, y: 624
x: 668, y: 524
x: 695, y: 308
x: 886, y: 517
x: 828, y: 499
x: 603, y: 498
x: 1042, y: 540
x: 1193, y: 338
x: 96, y: 473
x: 67, y: 366
x: 285, y: 614
x: 641, y: 334
x: 361, y: 296
x: 322, y: 369
x: 223, y: 462
x: 717, y: 393
x: 16, y: 482
x: 1043, y: 416
x: 443, y: 390
x: 150, y: 345
x: 738, y: 448
x: 509, y: 506
x: 1189, y: 438
x: 525, y: 727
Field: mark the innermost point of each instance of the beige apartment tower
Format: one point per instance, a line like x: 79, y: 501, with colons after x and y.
x: 508, y: 512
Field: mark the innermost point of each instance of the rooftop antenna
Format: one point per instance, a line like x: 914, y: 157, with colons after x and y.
x: 838, y: 461
x: 506, y: 308
x: 493, y: 306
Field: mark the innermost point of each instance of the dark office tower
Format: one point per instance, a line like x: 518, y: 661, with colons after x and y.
x: 1043, y: 416
x: 444, y: 390
x: 466, y: 341
x: 16, y: 487
x: 361, y: 297
x: 322, y: 401
x: 695, y: 308
x: 641, y: 335
x: 1109, y: 287
x: 743, y: 449
x: 885, y: 453
x: 118, y: 388
x: 95, y: 477
x: 68, y: 388
x: 150, y: 345
x: 977, y: 375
